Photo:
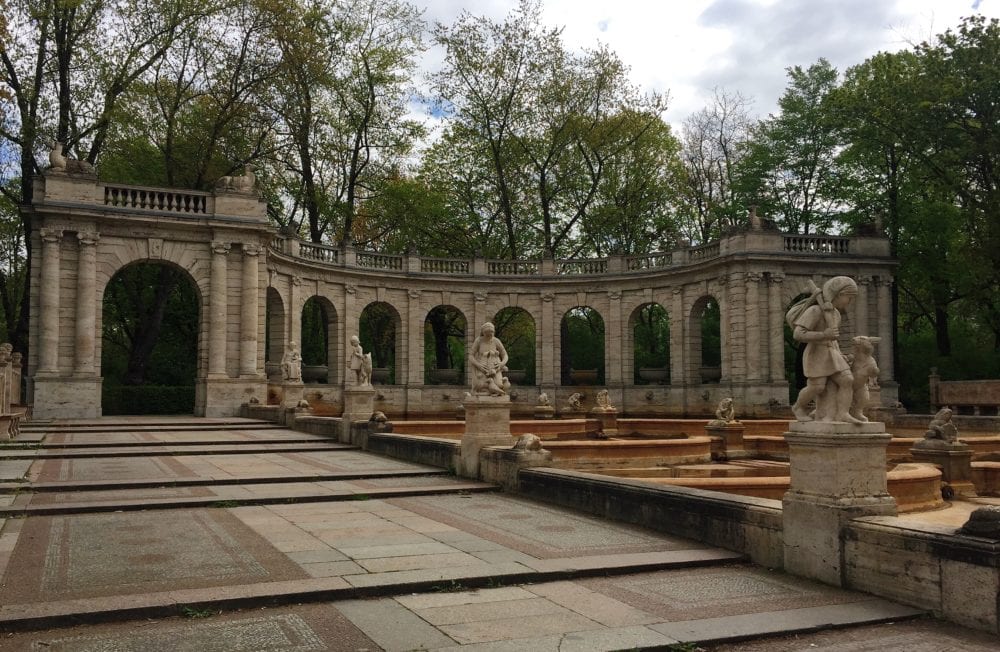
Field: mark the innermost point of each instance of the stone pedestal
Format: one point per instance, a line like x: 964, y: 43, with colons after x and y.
x: 545, y: 412
x: 727, y: 440
x: 838, y: 473
x: 359, y: 404
x: 65, y: 397
x: 953, y: 458
x: 487, y: 423
x: 291, y: 393
x: 608, y: 418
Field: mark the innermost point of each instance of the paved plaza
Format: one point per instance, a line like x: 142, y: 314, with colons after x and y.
x: 204, y: 535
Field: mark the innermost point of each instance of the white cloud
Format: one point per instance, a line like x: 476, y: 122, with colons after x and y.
x: 688, y: 47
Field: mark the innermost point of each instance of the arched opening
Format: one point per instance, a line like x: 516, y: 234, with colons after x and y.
x: 706, y: 341
x: 150, y: 337
x: 319, y: 341
x: 794, y: 372
x: 444, y: 346
x: 582, y: 352
x: 516, y: 329
x: 651, y: 344
x: 381, y: 333
x: 274, y: 334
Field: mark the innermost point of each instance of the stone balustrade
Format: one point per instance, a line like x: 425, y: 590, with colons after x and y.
x: 11, y: 409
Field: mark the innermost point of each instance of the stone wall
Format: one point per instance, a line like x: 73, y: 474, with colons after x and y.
x: 85, y: 232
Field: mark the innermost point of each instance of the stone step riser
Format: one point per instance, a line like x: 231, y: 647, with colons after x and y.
x: 52, y: 454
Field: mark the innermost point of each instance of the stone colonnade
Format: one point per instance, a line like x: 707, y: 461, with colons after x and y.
x: 85, y: 232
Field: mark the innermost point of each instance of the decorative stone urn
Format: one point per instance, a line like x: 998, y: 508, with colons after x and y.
x: 517, y: 376
x: 658, y: 375
x: 710, y: 374
x: 314, y: 373
x: 444, y: 376
x: 380, y: 375
x: 583, y: 376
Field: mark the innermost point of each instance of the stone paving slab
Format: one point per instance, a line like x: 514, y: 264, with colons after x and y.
x: 14, y: 470
x: 249, y: 468
x: 168, y: 449
x: 49, y: 503
x: 132, y: 437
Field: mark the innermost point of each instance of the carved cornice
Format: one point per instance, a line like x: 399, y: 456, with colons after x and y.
x: 87, y: 238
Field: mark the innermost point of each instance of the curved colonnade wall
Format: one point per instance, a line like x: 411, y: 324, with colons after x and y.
x: 84, y: 232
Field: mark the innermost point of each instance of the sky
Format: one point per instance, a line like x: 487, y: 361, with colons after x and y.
x: 689, y: 47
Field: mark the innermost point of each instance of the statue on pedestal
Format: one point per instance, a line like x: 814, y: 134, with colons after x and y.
x: 488, y: 358
x: 725, y: 414
x: 360, y: 363
x: 291, y: 363
x: 816, y: 321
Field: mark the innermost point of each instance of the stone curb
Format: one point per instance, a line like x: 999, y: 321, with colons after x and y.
x: 172, y: 450
x: 35, y: 616
x: 215, y: 501
x: 96, y: 485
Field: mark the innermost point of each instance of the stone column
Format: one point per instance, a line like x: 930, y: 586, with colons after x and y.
x: 49, y: 273
x: 414, y: 317
x: 678, y: 344
x: 753, y: 360
x: 838, y: 473
x: 547, y: 356
x: 726, y: 312
x: 613, y: 354
x: 5, y: 360
x: 295, y: 313
x: 218, y: 309
x: 861, y: 306
x: 350, y: 325
x: 886, y: 346
x: 86, y: 303
x: 776, y: 328
x: 249, y: 310
x: 735, y: 328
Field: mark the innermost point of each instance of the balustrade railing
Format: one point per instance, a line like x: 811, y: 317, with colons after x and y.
x: 649, y: 261
x: 445, y: 266
x: 512, y: 267
x: 369, y: 260
x: 704, y: 252
x: 171, y: 201
x: 822, y: 244
x: 319, y: 252
x: 582, y: 266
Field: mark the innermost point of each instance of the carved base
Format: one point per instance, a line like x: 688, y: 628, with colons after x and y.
x: 954, y: 460
x: 608, y: 418
x: 359, y: 404
x: 838, y: 473
x: 67, y: 397
x: 487, y: 423
x: 727, y: 441
x: 545, y: 412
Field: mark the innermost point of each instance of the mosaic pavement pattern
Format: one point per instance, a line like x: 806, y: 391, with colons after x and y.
x: 118, y: 468
x: 540, y: 531
x: 137, y: 552
x: 710, y: 592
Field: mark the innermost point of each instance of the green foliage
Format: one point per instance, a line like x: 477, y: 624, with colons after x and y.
x: 582, y: 337
x: 378, y: 335
x: 711, y: 334
x: 315, y: 332
x: 444, y: 340
x: 147, y: 399
x: 516, y: 329
x: 651, y: 333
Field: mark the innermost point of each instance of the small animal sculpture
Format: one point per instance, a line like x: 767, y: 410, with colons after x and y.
x: 62, y: 163
x: 865, y: 372
x: 941, y: 427
x: 543, y: 399
x: 575, y: 402
x: 528, y: 442
x: 238, y: 183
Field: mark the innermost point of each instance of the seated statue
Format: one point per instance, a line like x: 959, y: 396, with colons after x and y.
x: 488, y: 359
x: 575, y: 401
x: 291, y: 363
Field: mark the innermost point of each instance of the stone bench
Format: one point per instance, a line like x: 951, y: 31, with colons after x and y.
x: 976, y: 397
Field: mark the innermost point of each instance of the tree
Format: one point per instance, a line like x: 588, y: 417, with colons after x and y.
x: 789, y: 169
x: 539, y: 123
x: 713, y: 141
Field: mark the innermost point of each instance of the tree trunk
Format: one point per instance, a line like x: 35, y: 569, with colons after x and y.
x: 941, y: 333
x: 148, y: 329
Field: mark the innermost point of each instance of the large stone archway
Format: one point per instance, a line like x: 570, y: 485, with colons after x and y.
x: 83, y: 231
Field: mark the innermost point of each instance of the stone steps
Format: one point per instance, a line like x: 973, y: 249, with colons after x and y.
x: 399, y: 556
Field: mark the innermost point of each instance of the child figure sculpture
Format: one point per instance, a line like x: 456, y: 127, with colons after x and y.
x: 816, y: 321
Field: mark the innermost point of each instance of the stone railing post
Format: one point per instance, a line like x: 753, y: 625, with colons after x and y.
x: 350, y: 254
x: 616, y: 264
x: 249, y: 310
x: 478, y: 265
x: 48, y: 349
x: 16, y: 373
x: 776, y: 329
x: 86, y: 303
x: 218, y: 309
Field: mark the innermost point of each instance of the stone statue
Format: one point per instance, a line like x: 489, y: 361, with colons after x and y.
x: 238, y: 183
x: 942, y: 428
x: 543, y: 400
x: 725, y: 413
x: 603, y: 400
x: 59, y: 162
x: 291, y: 363
x: 528, y: 442
x: 575, y: 402
x: 361, y: 363
x: 865, y: 372
x: 489, y: 360
x: 816, y: 321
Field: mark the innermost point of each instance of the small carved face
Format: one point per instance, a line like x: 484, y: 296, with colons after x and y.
x: 843, y: 299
